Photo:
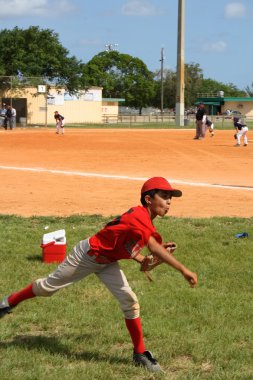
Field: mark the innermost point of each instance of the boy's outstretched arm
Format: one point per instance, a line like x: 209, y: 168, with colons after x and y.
x: 159, y: 251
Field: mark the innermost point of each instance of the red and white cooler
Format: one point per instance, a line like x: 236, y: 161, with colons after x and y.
x: 54, y: 247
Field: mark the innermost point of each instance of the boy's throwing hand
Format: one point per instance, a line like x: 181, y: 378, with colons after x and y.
x: 191, y: 277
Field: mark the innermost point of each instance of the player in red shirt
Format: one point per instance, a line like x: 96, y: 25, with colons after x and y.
x: 122, y: 238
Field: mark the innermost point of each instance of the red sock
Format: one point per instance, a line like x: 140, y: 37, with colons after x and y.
x: 135, y: 330
x: 15, y: 298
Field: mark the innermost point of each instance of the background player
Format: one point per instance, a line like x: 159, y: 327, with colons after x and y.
x: 241, y: 131
x: 200, y: 122
x: 210, y: 126
x: 122, y: 238
x: 59, y: 122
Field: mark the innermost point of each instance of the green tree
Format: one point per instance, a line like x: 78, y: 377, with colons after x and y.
x: 169, y: 89
x: 193, y: 80
x: 210, y: 86
x: 193, y: 83
x: 36, y: 52
x: 249, y: 90
x: 121, y: 76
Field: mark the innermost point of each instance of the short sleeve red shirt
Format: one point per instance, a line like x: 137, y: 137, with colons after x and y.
x: 125, y: 236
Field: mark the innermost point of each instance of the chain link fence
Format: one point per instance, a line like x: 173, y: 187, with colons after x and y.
x: 31, y: 95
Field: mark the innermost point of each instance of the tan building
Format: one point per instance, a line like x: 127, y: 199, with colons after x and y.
x: 219, y: 104
x: 110, y: 109
x: 36, y: 107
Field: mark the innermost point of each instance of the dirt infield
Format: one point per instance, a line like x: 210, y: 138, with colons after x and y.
x: 95, y: 171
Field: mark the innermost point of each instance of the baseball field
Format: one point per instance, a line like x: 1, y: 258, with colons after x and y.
x: 101, y: 171
x: 78, y: 182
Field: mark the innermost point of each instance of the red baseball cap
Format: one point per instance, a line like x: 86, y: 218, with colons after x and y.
x: 160, y: 183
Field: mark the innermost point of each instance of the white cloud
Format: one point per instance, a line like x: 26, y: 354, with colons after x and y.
x: 64, y: 6
x: 214, y: 47
x: 140, y: 8
x: 235, y: 10
x: 23, y: 8
x: 13, y: 8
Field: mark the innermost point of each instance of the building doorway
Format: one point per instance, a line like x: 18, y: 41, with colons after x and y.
x: 20, y: 105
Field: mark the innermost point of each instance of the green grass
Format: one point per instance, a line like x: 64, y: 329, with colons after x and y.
x: 79, y: 333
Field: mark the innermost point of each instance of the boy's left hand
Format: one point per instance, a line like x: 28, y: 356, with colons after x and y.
x: 171, y: 246
x: 149, y: 263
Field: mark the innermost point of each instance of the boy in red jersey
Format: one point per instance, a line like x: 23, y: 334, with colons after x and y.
x: 122, y: 238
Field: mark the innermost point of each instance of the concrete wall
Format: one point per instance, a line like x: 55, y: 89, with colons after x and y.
x: 246, y: 108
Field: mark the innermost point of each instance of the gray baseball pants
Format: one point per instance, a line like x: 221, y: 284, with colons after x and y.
x: 200, y: 128
x: 78, y: 265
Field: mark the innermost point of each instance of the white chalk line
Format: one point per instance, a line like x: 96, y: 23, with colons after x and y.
x: 123, y: 177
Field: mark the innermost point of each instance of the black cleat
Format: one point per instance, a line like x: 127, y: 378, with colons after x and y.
x: 147, y: 361
x: 5, y: 308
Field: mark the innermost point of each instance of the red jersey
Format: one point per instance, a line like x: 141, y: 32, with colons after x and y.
x: 124, y: 237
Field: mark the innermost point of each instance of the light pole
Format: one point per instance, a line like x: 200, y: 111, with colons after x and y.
x: 162, y: 59
x: 46, y: 109
x: 111, y: 47
x: 42, y: 89
x: 180, y: 65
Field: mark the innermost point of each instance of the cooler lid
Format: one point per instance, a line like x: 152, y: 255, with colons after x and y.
x: 57, y: 236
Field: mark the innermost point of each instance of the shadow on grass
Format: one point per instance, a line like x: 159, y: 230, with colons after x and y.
x: 54, y: 346
x: 34, y: 258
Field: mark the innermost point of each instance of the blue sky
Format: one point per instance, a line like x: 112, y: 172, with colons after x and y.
x: 218, y: 33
